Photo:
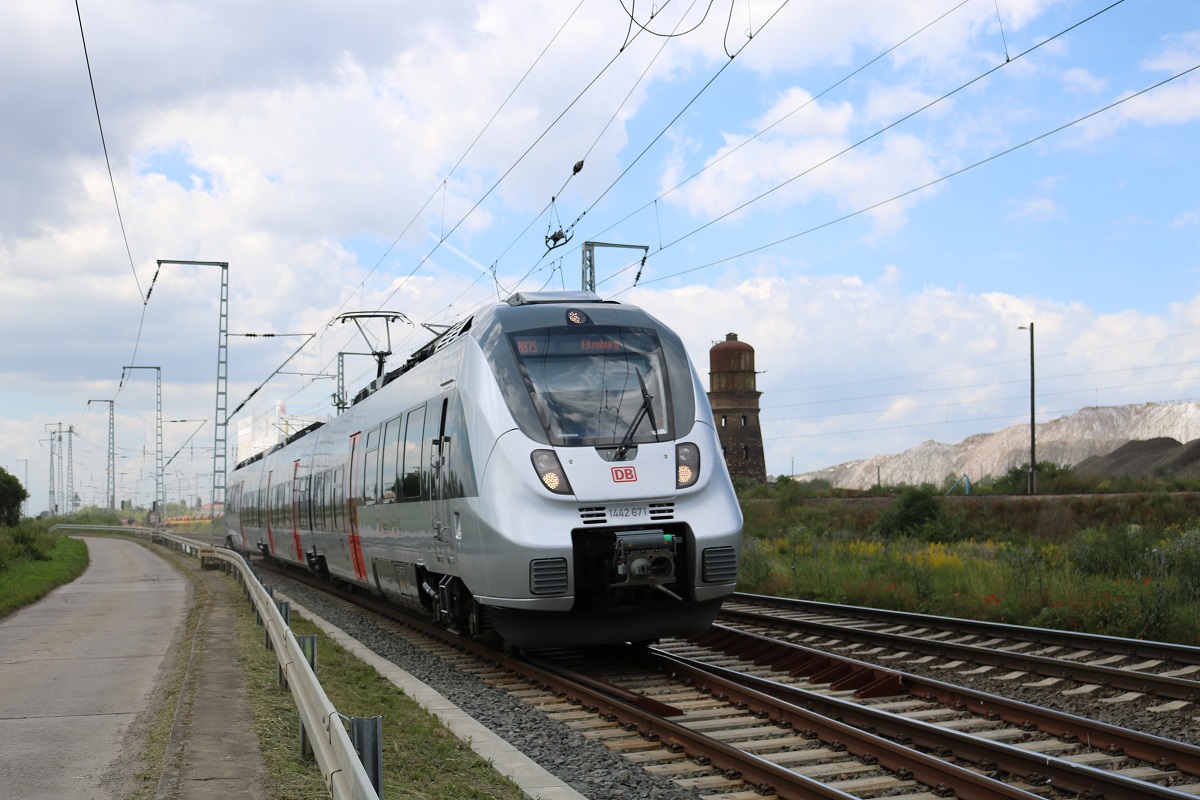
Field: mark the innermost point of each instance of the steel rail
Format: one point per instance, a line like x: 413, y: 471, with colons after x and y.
x: 870, y: 680
x: 1038, y: 769
x: 1175, y: 688
x: 1166, y: 651
x: 944, y: 777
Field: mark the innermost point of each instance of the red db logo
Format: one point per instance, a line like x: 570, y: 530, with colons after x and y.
x: 624, y: 474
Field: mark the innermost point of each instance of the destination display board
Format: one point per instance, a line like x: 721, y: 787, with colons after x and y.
x: 574, y: 342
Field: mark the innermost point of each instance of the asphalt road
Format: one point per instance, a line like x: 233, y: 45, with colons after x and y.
x: 78, y: 667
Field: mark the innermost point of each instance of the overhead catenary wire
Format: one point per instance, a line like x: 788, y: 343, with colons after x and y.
x: 441, y: 186
x: 682, y: 110
x: 446, y: 234
x: 145, y: 298
x: 766, y: 129
x: 104, y: 145
x: 742, y: 206
x: 538, y: 265
x: 927, y: 184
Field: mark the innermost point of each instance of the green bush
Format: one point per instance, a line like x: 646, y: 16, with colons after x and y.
x: 1114, y: 552
x: 916, y: 509
x: 29, y: 541
x: 1179, y: 558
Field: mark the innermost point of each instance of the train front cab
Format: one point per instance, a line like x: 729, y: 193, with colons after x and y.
x: 612, y: 491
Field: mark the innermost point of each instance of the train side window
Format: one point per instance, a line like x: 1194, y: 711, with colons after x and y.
x: 326, y: 506
x: 339, y: 496
x: 390, y: 481
x: 315, y: 500
x: 370, y: 474
x: 299, y: 503
x: 306, y: 509
x: 414, y: 441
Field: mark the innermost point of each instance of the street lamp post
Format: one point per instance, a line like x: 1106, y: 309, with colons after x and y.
x: 1032, y: 418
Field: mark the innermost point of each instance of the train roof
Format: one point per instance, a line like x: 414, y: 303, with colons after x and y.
x: 457, y: 331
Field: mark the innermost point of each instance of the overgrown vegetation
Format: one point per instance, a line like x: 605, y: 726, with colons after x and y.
x: 34, y: 561
x: 12, y: 495
x: 1053, y: 479
x: 1125, y: 565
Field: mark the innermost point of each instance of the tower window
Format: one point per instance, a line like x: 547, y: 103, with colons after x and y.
x: 743, y: 420
x: 745, y: 453
x: 722, y: 421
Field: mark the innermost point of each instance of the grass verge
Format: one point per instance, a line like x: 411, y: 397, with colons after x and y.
x: 28, y: 581
x: 422, y: 759
x: 160, y: 717
x: 1116, y: 581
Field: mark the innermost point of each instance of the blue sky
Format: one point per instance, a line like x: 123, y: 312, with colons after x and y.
x: 415, y: 158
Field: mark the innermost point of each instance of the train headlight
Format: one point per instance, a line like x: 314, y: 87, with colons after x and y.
x: 550, y: 471
x: 687, y: 465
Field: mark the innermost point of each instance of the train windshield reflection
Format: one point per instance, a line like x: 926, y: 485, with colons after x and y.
x: 584, y: 383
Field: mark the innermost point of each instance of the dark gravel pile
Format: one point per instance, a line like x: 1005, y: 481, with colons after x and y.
x: 1145, y: 459
x: 588, y: 767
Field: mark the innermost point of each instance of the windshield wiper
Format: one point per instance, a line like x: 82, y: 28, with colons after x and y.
x: 644, y: 410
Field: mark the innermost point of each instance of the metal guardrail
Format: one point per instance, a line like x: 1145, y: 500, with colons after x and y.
x: 343, y: 771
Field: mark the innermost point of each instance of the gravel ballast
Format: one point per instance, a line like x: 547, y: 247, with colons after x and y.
x: 586, y: 766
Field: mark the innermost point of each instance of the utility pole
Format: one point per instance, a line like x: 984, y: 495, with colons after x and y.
x: 69, y: 496
x: 1032, y: 418
x: 62, y: 484
x: 339, y: 400
x: 220, y: 412
x: 57, y: 505
x: 50, y: 502
x: 110, y: 474
x: 159, y: 499
x: 589, y: 261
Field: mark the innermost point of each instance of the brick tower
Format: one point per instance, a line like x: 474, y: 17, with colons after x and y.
x: 734, y: 401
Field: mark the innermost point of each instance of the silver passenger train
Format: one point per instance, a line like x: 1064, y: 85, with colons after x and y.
x: 547, y: 471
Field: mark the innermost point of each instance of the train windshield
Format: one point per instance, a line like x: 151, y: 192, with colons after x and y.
x: 601, y: 386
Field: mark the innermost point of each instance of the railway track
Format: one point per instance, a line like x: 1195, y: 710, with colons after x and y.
x: 721, y: 718
x: 1093, y: 663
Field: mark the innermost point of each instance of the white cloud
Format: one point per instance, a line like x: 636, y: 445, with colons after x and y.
x: 1082, y: 81
x: 1041, y: 208
x: 853, y: 367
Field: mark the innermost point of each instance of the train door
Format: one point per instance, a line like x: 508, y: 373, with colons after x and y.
x: 356, y: 554
x: 270, y: 515
x: 446, y: 528
x: 297, y: 510
x: 241, y: 494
